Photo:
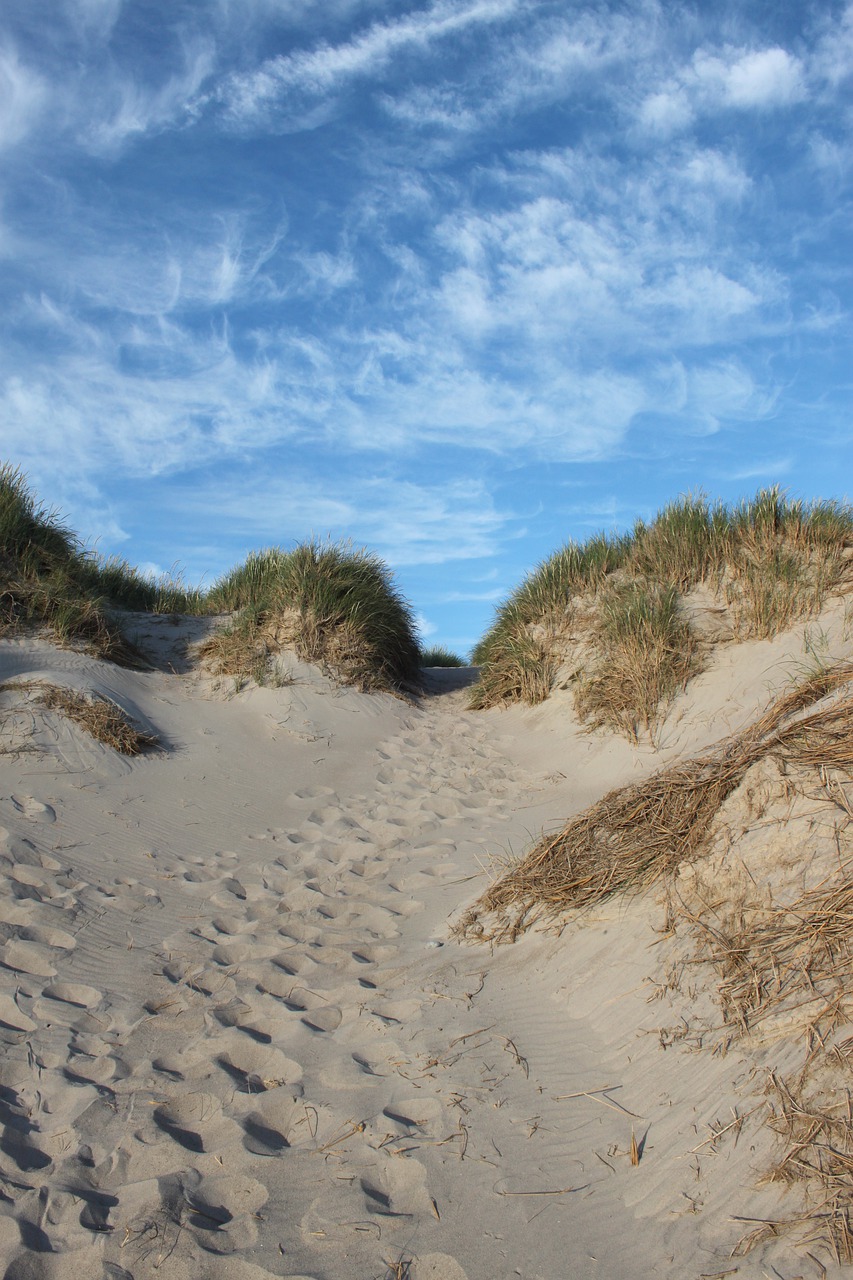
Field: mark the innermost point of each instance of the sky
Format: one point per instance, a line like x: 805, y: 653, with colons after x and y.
x: 457, y: 280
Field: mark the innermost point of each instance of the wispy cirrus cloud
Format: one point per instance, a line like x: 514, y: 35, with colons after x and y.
x: 520, y: 241
x: 23, y: 96
x: 293, y: 81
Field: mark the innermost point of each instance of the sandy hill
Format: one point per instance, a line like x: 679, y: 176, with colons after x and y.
x: 242, y: 1036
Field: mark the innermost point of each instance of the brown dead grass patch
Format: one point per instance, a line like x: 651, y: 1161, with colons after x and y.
x: 101, y: 718
x: 637, y: 835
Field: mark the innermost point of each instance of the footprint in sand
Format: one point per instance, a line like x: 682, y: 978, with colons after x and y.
x: 75, y: 993
x: 195, y: 1121
x: 396, y: 1190
x: 223, y: 1209
x: 278, y: 1122
x: 325, y: 1019
x: 28, y: 958
x: 12, y: 1019
x: 47, y: 936
x: 33, y: 810
x: 259, y: 1068
x: 241, y: 1015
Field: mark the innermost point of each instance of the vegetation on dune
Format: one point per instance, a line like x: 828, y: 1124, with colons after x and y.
x: 42, y: 572
x: 124, y: 587
x: 333, y: 604
x: 615, y: 606
x: 99, y: 716
x: 639, y: 834
x: 770, y: 919
x: 438, y: 656
x: 47, y: 577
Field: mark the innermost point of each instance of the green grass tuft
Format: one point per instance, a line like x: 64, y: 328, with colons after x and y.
x: 333, y: 604
x: 437, y: 656
x: 770, y: 559
x: 645, y: 653
x: 329, y: 602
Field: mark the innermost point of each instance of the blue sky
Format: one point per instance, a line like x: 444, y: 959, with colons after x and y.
x: 457, y: 280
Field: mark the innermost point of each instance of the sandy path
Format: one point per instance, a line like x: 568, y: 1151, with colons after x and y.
x: 238, y: 1041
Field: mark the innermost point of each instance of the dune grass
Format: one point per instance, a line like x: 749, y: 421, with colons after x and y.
x: 438, y: 656
x: 48, y: 578
x: 333, y: 604
x: 616, y: 604
x: 123, y: 586
x: 644, y: 653
x: 42, y: 572
x: 637, y: 835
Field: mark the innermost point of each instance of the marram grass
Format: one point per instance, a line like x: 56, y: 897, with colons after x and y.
x: 615, y: 607
x: 334, y: 604
x: 438, y: 656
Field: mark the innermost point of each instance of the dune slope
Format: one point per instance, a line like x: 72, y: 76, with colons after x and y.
x: 239, y: 1039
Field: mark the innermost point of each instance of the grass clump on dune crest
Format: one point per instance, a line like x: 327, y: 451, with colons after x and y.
x: 616, y: 606
x: 517, y: 656
x: 438, y: 656
x: 42, y: 573
x: 48, y: 578
x: 123, y: 586
x: 331, y: 603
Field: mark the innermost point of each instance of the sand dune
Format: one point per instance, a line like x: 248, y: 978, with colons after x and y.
x: 240, y: 1040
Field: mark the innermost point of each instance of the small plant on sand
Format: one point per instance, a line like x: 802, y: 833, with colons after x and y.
x: 331, y: 603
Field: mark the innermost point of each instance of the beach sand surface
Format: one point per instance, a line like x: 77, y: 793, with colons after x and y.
x: 238, y: 1038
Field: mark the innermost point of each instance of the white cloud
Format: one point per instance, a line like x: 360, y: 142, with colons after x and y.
x: 122, y: 106
x: 22, y: 99
x: 666, y: 111
x: 324, y: 69
x: 406, y: 522
x: 425, y: 627
x: 832, y: 58
x: 767, y: 78
x: 715, y: 80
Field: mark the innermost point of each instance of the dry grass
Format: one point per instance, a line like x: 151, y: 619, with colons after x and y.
x: 100, y: 718
x: 639, y: 834
x: 818, y: 1133
x: 793, y: 959
x: 783, y: 968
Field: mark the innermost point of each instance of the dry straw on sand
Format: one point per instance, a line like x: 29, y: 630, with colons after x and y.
x: 637, y: 835
x: 784, y: 969
x: 100, y: 717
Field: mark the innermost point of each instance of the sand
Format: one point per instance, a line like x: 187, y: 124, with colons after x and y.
x: 237, y: 1036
